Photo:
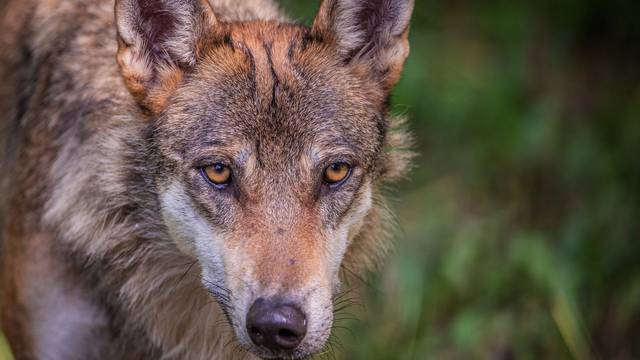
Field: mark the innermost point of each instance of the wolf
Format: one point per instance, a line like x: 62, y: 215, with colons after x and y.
x: 192, y: 179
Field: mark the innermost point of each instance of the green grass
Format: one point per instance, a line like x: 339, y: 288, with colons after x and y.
x: 5, y: 351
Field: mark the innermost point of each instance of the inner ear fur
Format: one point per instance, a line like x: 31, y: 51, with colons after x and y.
x: 158, y: 40
x: 372, y: 33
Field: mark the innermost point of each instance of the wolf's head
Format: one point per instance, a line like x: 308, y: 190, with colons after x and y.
x: 272, y: 140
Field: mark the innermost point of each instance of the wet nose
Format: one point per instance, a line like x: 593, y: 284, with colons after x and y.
x: 276, y: 325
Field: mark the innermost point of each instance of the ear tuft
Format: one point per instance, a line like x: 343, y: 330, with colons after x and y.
x: 370, y: 31
x: 157, y: 41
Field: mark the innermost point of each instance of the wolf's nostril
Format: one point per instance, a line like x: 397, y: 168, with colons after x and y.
x: 276, y: 325
x: 287, y: 339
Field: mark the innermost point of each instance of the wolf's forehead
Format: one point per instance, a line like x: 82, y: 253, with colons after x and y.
x: 271, y: 88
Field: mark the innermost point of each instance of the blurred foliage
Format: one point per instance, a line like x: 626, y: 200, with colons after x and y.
x: 5, y: 351
x: 519, y: 227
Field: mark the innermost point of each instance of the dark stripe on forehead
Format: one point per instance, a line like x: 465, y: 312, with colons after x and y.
x: 228, y: 40
x: 293, y: 44
x: 274, y: 75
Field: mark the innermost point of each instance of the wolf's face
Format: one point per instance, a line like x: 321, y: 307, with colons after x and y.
x: 269, y: 139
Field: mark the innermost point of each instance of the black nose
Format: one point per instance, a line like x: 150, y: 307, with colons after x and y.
x: 276, y: 325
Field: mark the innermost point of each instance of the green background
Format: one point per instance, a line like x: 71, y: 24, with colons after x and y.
x: 518, y: 229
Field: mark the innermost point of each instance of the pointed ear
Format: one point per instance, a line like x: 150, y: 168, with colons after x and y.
x: 373, y: 32
x: 157, y: 41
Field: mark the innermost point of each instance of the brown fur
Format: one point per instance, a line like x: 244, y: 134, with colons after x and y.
x: 113, y: 245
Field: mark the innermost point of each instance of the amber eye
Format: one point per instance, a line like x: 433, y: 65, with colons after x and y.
x: 218, y: 174
x: 336, y: 173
